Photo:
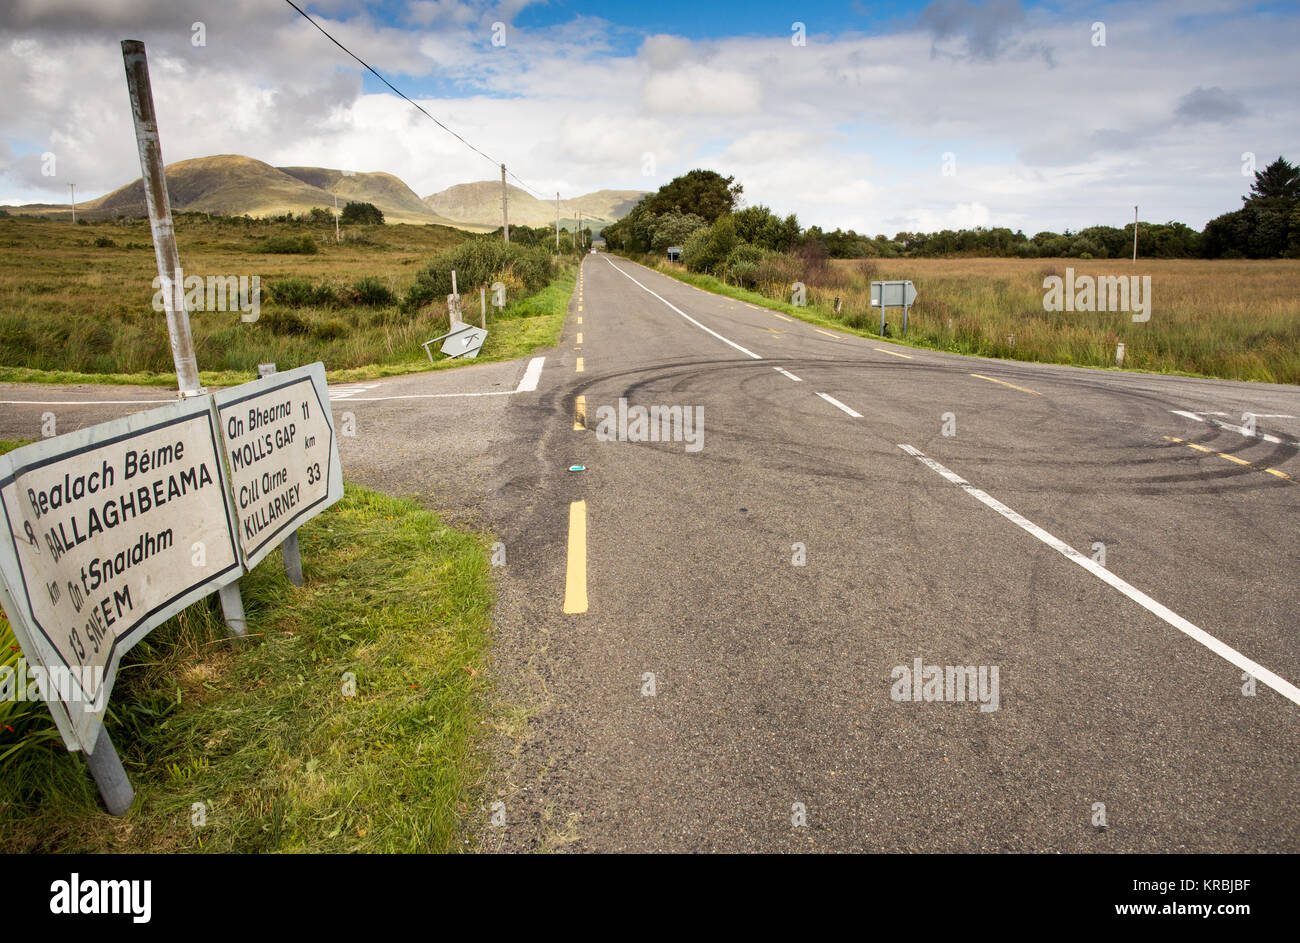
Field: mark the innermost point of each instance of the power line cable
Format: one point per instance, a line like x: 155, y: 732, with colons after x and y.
x: 403, y: 95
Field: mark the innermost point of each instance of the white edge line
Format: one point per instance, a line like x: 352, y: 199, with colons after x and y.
x: 88, y: 402
x: 528, y: 384
x: 834, y: 402
x: 531, y: 376
x: 708, y: 330
x: 788, y: 374
x: 1227, y: 652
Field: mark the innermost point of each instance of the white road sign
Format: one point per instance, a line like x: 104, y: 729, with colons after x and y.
x: 284, y: 457
x: 106, y: 533
x: 898, y: 294
x: 465, y: 342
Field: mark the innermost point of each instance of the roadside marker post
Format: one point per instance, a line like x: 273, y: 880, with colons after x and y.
x: 893, y: 294
x: 454, y: 316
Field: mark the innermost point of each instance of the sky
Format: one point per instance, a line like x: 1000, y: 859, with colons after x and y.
x: 881, y: 117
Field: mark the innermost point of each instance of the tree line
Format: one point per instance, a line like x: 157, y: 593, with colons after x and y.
x: 698, y: 211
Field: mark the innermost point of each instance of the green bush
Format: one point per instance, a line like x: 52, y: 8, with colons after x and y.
x: 479, y: 262
x: 361, y: 213
x: 330, y: 330
x: 289, y: 245
x: 373, y: 293
x: 301, y: 293
x: 707, y: 250
x: 285, y: 322
x: 742, y: 264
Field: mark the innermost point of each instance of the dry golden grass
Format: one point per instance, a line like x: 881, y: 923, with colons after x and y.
x: 1232, y: 319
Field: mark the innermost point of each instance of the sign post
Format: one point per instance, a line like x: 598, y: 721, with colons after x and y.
x: 894, y: 294
x: 111, y: 779
x: 160, y: 216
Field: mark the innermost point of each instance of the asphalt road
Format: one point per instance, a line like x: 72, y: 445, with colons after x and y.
x: 1120, y: 678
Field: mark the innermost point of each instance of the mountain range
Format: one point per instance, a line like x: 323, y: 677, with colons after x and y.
x: 232, y: 185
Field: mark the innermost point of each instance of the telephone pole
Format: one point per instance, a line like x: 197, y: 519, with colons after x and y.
x: 336, y: 219
x: 73, y: 188
x: 581, y: 242
x: 557, y: 220
x: 1135, y: 235
x: 505, y: 214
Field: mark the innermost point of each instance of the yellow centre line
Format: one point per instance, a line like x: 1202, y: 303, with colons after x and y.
x: 827, y: 333
x: 781, y: 316
x: 575, y: 581
x: 893, y: 353
x: 1231, y: 458
x: 580, y: 413
x: 580, y: 337
x: 1005, y: 383
x: 578, y: 367
x: 579, y: 319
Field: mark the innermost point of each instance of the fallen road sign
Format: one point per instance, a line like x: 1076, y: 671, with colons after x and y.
x: 284, y: 456
x: 107, y: 532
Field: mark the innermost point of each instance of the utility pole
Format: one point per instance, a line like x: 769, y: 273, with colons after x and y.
x: 1135, y: 235
x: 160, y: 217
x: 505, y: 213
x: 579, y: 240
x: 73, y: 188
x: 336, y: 219
x: 557, y: 220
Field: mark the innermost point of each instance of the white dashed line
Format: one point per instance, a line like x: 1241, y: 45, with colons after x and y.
x: 787, y: 374
x: 1254, y: 669
x: 836, y: 403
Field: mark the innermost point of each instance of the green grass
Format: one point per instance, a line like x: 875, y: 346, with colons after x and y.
x: 72, y: 311
x: 519, y: 329
x: 260, y: 731
x: 1235, y: 320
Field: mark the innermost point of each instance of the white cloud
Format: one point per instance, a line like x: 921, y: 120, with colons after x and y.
x: 847, y: 131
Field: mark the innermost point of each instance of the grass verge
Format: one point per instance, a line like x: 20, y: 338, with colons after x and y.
x: 521, y: 328
x: 1221, y: 319
x: 261, y: 733
x: 76, y: 302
